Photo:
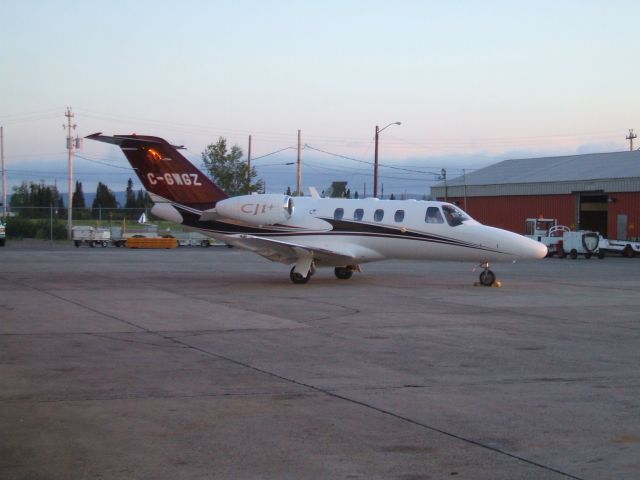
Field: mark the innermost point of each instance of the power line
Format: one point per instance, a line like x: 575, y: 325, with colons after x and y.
x: 360, y: 173
x: 370, y: 163
x: 103, y: 163
x: 29, y: 116
x: 272, y: 153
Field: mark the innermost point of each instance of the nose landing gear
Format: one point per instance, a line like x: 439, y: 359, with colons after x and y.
x: 487, y: 277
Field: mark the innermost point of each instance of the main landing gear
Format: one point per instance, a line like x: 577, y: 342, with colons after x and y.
x: 487, y: 277
x: 342, y: 273
x: 299, y: 278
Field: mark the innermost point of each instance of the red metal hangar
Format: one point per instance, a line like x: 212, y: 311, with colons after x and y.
x: 599, y: 192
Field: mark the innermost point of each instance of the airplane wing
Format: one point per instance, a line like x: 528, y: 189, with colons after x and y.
x: 287, y: 252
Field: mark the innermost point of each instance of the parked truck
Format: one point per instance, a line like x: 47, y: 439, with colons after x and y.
x: 3, y: 234
x: 546, y: 231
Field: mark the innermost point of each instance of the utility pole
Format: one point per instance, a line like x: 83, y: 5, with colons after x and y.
x: 630, y: 137
x: 4, y: 176
x: 299, y: 184
x: 443, y: 175
x: 70, y: 148
x: 375, y: 163
x: 464, y: 176
x: 249, y: 161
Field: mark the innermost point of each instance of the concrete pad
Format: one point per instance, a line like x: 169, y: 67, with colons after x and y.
x: 209, y: 363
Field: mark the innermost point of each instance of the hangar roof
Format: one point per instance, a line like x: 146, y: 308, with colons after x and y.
x: 616, y: 171
x: 595, y: 166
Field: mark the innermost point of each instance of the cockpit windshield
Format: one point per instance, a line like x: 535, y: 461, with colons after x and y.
x: 454, y: 215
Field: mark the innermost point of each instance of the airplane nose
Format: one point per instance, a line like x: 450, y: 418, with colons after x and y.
x: 512, y: 246
x: 536, y: 250
x: 530, y: 249
x: 525, y: 248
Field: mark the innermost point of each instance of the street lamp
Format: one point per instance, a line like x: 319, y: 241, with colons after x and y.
x: 375, y: 165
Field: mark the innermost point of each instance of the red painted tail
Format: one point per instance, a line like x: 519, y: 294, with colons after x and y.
x: 165, y: 172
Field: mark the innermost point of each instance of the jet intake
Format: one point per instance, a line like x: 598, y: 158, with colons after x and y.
x: 259, y: 210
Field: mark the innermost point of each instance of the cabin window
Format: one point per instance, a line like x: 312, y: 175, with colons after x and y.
x: 433, y: 215
x: 378, y: 215
x: 338, y: 214
x: 399, y: 216
x: 358, y: 214
x: 454, y: 215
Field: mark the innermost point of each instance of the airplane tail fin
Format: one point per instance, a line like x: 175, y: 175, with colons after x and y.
x: 165, y: 172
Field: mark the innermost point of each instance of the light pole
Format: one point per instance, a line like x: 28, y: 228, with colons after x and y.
x: 375, y: 164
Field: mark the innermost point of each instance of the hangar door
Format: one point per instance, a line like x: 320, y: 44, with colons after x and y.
x: 594, y: 209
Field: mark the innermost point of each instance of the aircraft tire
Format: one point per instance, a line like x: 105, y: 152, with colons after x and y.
x: 298, y: 278
x: 343, y: 273
x: 487, y: 278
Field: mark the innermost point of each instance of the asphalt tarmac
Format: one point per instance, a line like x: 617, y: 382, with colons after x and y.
x: 209, y: 363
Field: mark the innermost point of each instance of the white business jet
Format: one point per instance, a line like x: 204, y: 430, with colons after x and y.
x: 311, y: 232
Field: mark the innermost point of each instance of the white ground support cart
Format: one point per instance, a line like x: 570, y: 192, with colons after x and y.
x: 90, y: 236
x: 192, y: 239
x: 621, y: 247
x: 582, y: 242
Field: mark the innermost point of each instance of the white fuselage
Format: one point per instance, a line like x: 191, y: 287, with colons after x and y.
x: 372, y: 229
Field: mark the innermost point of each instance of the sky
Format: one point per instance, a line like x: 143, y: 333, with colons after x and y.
x: 473, y: 82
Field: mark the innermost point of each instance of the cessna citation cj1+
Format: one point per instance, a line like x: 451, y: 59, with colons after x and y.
x: 310, y: 232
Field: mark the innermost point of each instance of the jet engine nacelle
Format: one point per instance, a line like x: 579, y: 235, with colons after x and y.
x: 266, y: 209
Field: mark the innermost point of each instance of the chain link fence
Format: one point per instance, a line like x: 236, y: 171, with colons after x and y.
x: 50, y: 223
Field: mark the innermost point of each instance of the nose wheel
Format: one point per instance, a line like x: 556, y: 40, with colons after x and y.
x: 487, y: 277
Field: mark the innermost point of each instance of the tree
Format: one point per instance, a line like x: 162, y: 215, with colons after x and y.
x: 143, y: 200
x: 35, y: 199
x: 228, y: 170
x: 337, y: 190
x: 130, y: 196
x: 392, y: 197
x: 104, y: 199
x: 288, y: 192
x: 20, y: 196
x: 78, y: 197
